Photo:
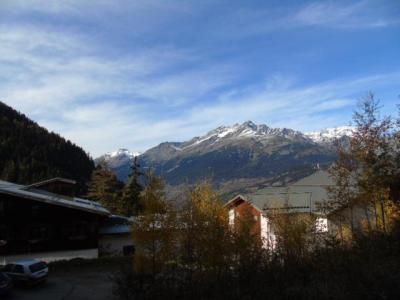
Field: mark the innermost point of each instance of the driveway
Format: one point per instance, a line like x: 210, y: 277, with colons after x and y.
x: 77, y: 285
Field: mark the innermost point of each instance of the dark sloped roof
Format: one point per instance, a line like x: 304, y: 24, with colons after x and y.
x: 56, y: 179
x: 50, y: 198
x: 304, y: 195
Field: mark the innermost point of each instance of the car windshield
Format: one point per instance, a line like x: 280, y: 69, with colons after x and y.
x: 37, y: 267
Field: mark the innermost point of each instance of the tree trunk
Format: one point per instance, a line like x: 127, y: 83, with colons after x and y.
x: 341, y: 230
x: 352, y: 221
x: 367, y: 218
x: 383, y: 214
x: 376, y: 216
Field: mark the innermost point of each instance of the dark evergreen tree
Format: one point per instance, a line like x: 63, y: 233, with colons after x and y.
x: 105, y: 188
x: 130, y: 203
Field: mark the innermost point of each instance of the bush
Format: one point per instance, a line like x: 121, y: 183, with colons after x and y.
x: 368, y: 270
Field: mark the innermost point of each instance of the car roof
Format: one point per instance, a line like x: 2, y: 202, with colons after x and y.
x: 25, y: 262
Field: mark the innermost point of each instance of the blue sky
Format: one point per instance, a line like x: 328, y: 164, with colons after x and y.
x: 111, y: 74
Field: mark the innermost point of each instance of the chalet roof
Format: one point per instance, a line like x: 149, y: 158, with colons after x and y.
x: 305, y: 195
x: 56, y: 179
x: 319, y: 178
x: 35, y: 194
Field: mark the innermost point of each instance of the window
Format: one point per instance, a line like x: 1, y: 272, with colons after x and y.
x: 35, y: 210
x: 39, y: 232
x: 321, y: 225
x: 128, y: 250
x: 18, y: 269
x: 37, y: 267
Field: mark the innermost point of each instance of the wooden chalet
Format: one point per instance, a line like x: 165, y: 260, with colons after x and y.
x: 304, y: 196
x: 46, y: 216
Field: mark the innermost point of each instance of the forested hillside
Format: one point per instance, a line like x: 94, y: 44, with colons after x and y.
x: 29, y: 153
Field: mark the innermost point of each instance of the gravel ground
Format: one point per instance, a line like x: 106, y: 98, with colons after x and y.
x: 77, y: 283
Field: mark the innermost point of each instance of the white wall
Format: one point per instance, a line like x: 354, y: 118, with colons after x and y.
x: 267, y: 234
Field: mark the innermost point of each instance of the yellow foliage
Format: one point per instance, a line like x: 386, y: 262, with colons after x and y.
x: 294, y: 232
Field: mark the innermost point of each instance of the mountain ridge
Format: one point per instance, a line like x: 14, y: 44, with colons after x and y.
x: 247, y: 153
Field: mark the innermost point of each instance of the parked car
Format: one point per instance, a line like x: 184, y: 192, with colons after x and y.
x: 27, y: 271
x: 5, y: 284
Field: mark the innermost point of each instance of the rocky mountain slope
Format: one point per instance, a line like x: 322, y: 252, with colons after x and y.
x: 239, y: 157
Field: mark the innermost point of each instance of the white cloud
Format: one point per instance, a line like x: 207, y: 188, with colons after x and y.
x: 76, y: 84
x: 103, y: 127
x: 292, y: 106
x: 102, y: 102
x: 97, y: 100
x: 360, y: 14
x: 54, y: 67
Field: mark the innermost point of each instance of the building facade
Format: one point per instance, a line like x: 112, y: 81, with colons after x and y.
x: 37, y: 219
x: 306, y: 196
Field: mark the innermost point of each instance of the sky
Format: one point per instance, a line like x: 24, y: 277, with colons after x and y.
x: 132, y: 74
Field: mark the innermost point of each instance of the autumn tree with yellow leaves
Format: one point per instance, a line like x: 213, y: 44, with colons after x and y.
x: 365, y: 172
x: 153, y: 232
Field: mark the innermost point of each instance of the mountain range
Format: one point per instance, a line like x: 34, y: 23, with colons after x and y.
x: 236, y: 158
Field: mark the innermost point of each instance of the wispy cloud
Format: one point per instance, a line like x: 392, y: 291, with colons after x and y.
x: 136, y: 73
x: 284, y: 106
x: 66, y: 85
x: 360, y: 14
x: 52, y: 68
x: 303, y: 108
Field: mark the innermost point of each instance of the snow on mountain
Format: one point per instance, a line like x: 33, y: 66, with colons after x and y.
x: 120, y: 155
x: 329, y: 134
x: 247, y: 152
x: 236, y: 133
x: 119, y: 161
x: 240, y: 131
x: 124, y: 152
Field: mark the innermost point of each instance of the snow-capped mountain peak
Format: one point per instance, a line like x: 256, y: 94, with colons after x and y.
x: 242, y: 131
x: 329, y: 134
x: 123, y: 152
x: 120, y: 154
x: 236, y: 151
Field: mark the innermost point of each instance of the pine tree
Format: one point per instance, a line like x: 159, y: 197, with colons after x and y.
x: 371, y: 145
x: 105, y: 188
x: 130, y: 203
x: 365, y: 170
x: 154, y: 230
